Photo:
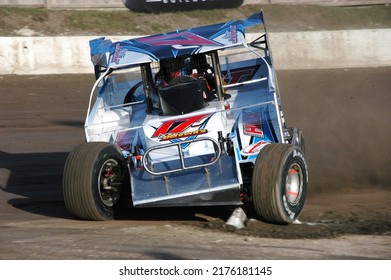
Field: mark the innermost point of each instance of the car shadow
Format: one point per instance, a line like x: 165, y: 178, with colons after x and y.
x: 35, y: 179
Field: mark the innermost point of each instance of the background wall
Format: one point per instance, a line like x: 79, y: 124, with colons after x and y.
x: 291, y: 50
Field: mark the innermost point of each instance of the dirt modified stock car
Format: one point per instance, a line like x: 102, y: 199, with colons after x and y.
x: 187, y: 118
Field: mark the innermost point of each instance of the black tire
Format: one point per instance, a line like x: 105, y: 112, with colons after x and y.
x: 94, y: 178
x: 279, y: 183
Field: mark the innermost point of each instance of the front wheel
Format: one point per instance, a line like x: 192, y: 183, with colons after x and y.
x: 93, y: 181
x: 279, y: 183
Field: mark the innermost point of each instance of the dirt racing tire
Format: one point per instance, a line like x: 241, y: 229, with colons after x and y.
x: 279, y: 183
x: 94, y: 178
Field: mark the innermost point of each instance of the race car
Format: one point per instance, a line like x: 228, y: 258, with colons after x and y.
x: 187, y: 118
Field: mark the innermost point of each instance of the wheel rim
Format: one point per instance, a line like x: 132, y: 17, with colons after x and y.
x: 294, y: 184
x: 110, y: 184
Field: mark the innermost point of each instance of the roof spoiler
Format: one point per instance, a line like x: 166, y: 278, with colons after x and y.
x: 101, y: 48
x: 100, y: 51
x: 255, y: 19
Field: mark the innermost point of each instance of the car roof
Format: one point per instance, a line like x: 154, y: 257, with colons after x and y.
x: 185, y: 42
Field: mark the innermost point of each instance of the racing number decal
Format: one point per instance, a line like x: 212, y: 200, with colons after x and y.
x: 240, y: 74
x: 177, y: 128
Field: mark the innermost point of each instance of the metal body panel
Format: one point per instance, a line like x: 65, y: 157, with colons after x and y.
x: 217, y: 184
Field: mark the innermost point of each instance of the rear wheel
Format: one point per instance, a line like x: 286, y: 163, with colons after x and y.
x: 94, y: 179
x: 279, y: 183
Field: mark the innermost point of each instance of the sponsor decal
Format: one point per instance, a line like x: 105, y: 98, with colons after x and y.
x: 252, y: 125
x: 253, y: 130
x: 300, y: 155
x: 119, y: 53
x: 230, y: 34
x: 287, y: 208
x: 170, y: 136
x: 189, y: 128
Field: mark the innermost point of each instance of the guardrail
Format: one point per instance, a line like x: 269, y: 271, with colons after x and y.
x: 74, y: 4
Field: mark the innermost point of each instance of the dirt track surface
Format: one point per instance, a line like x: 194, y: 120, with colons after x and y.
x: 345, y: 118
